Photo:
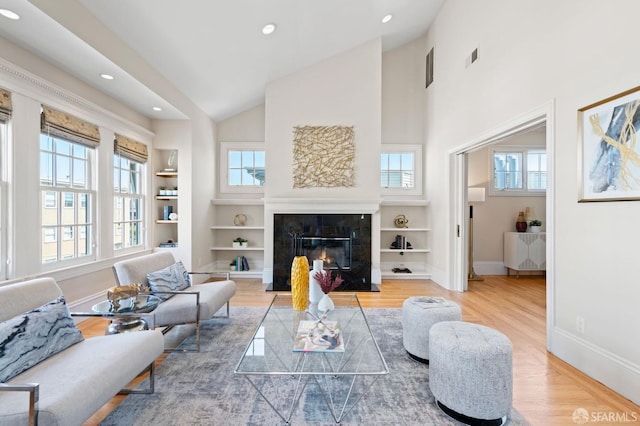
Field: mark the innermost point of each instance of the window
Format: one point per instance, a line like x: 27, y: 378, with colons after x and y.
x: 3, y: 199
x: 400, y: 169
x: 243, y: 165
x: 127, y: 203
x: 518, y: 171
x: 66, y: 194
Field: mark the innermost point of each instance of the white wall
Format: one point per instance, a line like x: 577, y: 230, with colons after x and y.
x: 575, y: 52
x: 342, y: 90
x: 403, y: 80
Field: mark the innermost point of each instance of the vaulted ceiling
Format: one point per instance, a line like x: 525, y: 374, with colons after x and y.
x: 211, y: 52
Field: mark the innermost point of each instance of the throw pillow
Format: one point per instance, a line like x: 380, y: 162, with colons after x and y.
x: 171, y: 278
x: 32, y: 337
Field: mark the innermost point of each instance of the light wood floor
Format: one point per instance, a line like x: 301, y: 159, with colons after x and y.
x: 546, y: 389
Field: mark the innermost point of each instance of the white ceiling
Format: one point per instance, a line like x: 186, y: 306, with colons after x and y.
x: 211, y: 51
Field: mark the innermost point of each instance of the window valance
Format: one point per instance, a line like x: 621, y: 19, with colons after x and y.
x: 5, y: 105
x: 131, y: 149
x: 66, y: 126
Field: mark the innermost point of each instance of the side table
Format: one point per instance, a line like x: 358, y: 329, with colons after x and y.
x: 142, y: 303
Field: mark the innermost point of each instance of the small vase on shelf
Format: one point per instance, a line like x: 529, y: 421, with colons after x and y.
x: 521, y: 223
x: 325, y: 304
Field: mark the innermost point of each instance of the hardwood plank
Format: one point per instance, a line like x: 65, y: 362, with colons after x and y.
x: 546, y: 389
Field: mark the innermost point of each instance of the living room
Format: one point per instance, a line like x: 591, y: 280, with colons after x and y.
x: 531, y: 56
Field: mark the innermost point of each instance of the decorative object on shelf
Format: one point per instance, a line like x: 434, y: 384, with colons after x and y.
x: 474, y: 195
x: 240, y: 263
x: 173, y: 216
x: 535, y: 226
x: 400, y: 243
x: 240, y: 242
x: 521, y: 223
x: 174, y: 191
x: 167, y: 210
x: 171, y: 162
x: 169, y: 243
x: 315, y: 292
x: 162, y: 191
x: 401, y: 221
x: 300, y: 283
x: 240, y: 219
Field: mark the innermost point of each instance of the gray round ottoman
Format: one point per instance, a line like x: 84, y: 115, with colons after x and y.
x: 419, y: 313
x: 470, y: 372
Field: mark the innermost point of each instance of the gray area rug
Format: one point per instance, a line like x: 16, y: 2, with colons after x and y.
x: 201, y: 388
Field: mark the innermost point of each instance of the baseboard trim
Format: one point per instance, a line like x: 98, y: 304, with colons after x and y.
x: 615, y: 372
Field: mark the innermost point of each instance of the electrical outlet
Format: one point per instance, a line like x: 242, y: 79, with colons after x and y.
x: 580, y: 324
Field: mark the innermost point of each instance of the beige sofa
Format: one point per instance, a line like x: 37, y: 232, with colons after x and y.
x: 70, y: 386
x: 190, y: 306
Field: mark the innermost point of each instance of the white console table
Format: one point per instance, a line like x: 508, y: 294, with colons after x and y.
x: 525, y: 251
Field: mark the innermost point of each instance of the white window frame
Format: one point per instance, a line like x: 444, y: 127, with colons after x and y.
x: 507, y: 192
x: 416, y: 150
x: 78, y: 259
x: 126, y: 197
x: 225, y: 147
x: 4, y: 199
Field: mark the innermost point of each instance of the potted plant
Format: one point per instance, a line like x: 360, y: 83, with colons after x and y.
x: 240, y: 242
x: 162, y: 191
x: 535, y: 225
x: 232, y: 265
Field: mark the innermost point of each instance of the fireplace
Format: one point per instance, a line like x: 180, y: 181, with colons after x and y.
x: 342, y: 241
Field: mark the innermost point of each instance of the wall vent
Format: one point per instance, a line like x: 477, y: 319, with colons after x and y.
x: 471, y: 58
x: 429, y: 72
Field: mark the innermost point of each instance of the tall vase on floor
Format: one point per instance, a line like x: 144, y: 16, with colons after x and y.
x: 315, y: 292
x: 300, y: 283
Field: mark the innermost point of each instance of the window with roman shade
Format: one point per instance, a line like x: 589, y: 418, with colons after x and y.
x: 129, y: 157
x: 61, y: 125
x: 68, y: 214
x: 131, y: 149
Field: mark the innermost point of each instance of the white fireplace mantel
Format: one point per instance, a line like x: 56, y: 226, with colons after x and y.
x: 321, y: 205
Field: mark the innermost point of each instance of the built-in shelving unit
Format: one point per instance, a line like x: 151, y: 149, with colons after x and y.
x: 224, y: 231
x: 165, y: 181
x: 416, y: 233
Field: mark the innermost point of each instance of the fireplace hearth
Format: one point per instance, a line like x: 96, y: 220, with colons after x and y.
x: 342, y: 241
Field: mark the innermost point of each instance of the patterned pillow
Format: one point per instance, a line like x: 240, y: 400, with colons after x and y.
x: 34, y: 336
x: 171, y: 278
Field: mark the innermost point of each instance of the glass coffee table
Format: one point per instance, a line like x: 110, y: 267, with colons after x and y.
x: 283, y: 356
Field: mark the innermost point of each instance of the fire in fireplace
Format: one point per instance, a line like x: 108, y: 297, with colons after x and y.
x: 342, y: 241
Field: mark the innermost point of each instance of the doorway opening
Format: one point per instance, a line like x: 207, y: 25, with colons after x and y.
x: 541, y: 117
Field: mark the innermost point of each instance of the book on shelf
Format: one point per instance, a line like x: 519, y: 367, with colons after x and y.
x: 318, y: 336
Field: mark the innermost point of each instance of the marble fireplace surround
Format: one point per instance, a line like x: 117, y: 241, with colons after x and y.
x: 346, y: 224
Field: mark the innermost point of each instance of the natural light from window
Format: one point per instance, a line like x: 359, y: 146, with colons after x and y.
x: 66, y: 194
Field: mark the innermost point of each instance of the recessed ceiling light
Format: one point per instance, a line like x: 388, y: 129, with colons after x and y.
x: 268, y: 29
x: 157, y: 109
x: 106, y: 76
x: 386, y: 19
x: 9, y: 14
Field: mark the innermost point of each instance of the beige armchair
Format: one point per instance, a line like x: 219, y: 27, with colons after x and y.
x: 189, y: 306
